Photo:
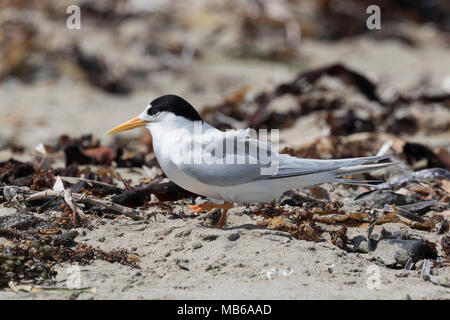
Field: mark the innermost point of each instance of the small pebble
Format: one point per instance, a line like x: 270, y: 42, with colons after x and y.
x: 197, y: 245
x: 402, y: 274
x: 179, y: 248
x: 234, y: 236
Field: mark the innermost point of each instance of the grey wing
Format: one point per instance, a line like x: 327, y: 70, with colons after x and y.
x: 253, y: 160
x: 223, y: 163
x: 291, y: 166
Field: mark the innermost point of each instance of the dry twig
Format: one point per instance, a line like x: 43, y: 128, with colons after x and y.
x: 73, y: 198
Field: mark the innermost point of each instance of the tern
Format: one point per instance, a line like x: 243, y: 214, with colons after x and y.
x: 231, y: 167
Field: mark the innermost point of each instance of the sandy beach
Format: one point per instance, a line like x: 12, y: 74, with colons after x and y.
x: 179, y: 256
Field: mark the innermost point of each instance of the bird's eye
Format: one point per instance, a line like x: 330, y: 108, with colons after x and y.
x: 152, y: 111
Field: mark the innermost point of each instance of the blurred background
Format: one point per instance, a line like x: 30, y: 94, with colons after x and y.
x: 239, y: 62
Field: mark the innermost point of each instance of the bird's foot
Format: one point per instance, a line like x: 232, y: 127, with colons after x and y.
x: 223, y: 219
x: 204, y: 216
x: 213, y: 207
x: 209, y: 206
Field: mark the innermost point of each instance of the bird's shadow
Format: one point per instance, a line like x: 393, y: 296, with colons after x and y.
x: 246, y: 226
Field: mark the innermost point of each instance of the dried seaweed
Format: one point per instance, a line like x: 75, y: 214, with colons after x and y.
x: 38, y: 245
x: 300, y: 225
x: 12, y: 170
x: 35, y: 260
x: 445, y: 244
x: 100, y: 155
x: 415, y: 152
x: 339, y: 238
x: 167, y: 191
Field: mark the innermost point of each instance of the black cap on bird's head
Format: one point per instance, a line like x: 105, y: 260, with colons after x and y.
x: 168, y: 103
x: 174, y: 104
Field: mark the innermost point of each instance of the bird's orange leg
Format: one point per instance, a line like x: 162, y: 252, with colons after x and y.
x: 212, y: 207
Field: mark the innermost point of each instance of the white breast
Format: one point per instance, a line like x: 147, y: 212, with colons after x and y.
x: 170, y: 144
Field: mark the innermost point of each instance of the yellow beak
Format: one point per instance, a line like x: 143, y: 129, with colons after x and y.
x: 133, y: 123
